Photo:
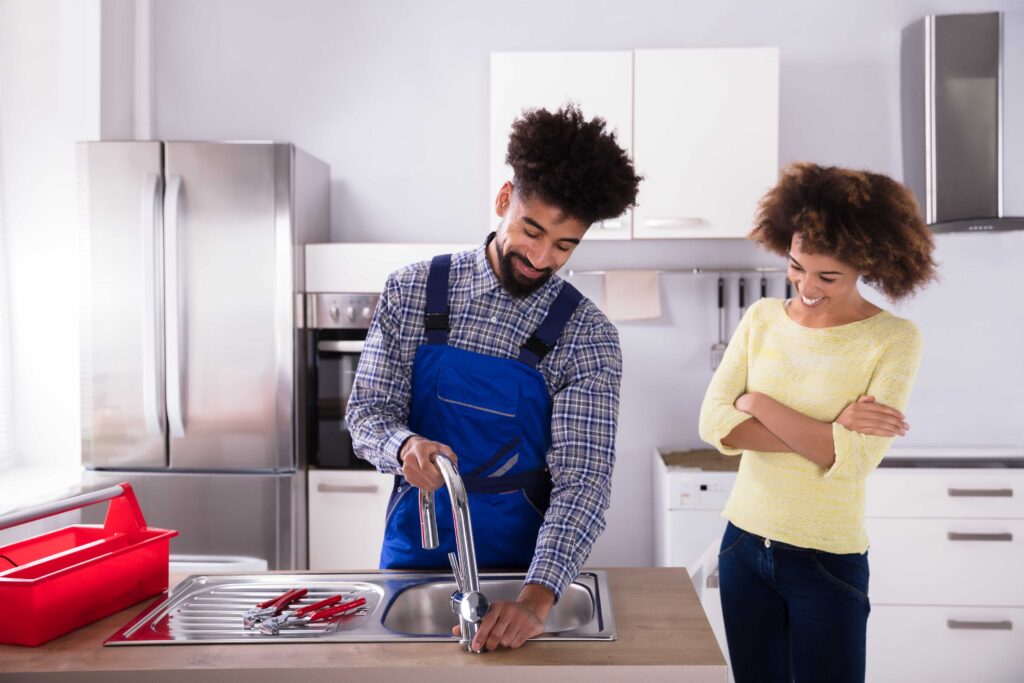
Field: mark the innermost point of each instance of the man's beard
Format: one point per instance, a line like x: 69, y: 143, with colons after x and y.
x: 510, y: 280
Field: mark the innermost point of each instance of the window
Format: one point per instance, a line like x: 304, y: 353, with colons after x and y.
x: 6, y: 407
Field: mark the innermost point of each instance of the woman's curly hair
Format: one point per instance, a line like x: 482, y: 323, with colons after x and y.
x: 571, y: 163
x: 866, y: 220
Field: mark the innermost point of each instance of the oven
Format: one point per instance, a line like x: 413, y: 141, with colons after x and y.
x: 336, y: 326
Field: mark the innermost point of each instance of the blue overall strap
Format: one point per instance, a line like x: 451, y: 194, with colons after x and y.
x: 436, y: 321
x: 546, y: 336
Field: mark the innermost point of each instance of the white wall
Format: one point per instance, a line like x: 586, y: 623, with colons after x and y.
x: 394, y: 96
x: 49, y: 83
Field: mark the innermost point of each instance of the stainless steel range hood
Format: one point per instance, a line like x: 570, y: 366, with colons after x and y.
x: 962, y: 102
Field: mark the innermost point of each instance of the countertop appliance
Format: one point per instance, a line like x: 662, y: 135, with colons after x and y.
x: 962, y: 101
x: 191, y: 366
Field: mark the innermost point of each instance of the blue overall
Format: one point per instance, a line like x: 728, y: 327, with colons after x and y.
x: 495, y: 414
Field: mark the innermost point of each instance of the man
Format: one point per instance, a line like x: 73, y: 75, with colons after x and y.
x: 489, y: 359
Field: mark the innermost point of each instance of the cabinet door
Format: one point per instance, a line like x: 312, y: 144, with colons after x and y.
x: 945, y: 644
x: 946, y: 561
x: 346, y: 518
x: 601, y: 83
x: 706, y: 138
x: 953, y: 493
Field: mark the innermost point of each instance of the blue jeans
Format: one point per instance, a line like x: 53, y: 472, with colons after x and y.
x: 791, y: 613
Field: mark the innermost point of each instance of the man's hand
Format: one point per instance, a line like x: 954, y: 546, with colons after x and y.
x: 510, y: 624
x: 417, y: 458
x: 865, y: 416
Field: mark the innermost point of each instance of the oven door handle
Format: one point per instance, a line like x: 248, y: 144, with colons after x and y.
x: 340, y: 346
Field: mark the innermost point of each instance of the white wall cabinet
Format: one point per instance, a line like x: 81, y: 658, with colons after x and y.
x: 601, y: 83
x: 706, y: 138
x: 346, y: 518
x: 701, y: 124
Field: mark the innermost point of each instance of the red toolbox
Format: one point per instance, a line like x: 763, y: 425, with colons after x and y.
x: 64, y: 579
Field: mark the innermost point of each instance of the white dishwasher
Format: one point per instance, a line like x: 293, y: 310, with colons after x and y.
x: 690, y: 491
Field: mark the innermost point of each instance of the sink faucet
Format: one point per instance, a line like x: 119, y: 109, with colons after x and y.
x: 468, y: 602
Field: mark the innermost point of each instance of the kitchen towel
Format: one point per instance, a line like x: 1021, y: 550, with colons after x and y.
x: 632, y: 294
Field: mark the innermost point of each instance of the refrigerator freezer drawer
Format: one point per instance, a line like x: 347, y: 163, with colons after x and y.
x: 252, y: 515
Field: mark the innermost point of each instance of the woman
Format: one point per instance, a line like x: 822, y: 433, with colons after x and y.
x: 811, y: 392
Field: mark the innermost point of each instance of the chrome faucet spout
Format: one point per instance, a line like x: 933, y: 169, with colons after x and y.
x: 467, y: 602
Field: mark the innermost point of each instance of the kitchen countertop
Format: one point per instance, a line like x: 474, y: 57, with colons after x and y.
x: 663, y: 635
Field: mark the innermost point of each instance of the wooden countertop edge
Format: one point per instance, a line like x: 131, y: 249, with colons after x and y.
x: 660, y: 622
x: 388, y: 674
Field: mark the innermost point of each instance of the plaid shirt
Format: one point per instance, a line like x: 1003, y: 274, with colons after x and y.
x: 583, y: 372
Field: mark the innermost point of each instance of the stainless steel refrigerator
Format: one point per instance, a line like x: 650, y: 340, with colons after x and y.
x: 192, y: 372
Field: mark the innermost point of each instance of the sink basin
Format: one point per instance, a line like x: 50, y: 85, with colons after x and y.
x: 400, y: 606
x: 425, y: 609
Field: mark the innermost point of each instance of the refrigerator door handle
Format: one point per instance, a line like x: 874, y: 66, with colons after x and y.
x: 174, y: 325
x: 150, y: 225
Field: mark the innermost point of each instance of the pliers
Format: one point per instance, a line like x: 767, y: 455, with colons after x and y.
x: 271, y: 608
x: 304, y: 615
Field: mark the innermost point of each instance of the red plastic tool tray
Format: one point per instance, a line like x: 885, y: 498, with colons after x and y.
x: 64, y: 579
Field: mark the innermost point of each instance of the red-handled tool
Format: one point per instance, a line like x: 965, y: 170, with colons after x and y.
x: 274, y: 625
x: 326, y: 602
x: 272, y: 607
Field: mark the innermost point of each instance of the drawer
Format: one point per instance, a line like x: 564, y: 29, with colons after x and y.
x: 946, y: 561
x: 945, y: 493
x: 346, y: 518
x: 945, y: 644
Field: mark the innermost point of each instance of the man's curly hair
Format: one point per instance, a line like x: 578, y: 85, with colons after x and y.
x: 866, y: 220
x: 571, y: 163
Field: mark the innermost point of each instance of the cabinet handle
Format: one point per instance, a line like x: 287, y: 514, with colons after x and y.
x: 352, y: 346
x: 347, y: 488
x: 684, y: 222
x: 960, y: 625
x: 980, y: 493
x: 610, y: 225
x: 956, y: 536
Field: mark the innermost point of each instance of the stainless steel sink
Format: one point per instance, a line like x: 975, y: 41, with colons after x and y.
x: 425, y: 609
x: 400, y: 606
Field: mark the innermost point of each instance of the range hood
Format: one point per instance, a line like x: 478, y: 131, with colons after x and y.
x: 962, y: 107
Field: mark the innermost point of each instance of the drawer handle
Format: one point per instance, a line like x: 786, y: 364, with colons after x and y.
x: 340, y: 346
x: 682, y: 222
x: 980, y: 493
x: 956, y: 536
x: 347, y: 488
x: 960, y: 625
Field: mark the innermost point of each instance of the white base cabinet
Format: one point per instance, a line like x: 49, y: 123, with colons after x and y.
x: 945, y: 644
x: 346, y: 518
x: 947, y: 561
x: 946, y: 557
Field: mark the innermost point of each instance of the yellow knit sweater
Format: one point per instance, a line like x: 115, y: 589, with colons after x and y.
x: 817, y: 372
